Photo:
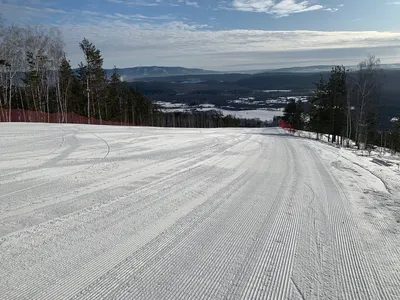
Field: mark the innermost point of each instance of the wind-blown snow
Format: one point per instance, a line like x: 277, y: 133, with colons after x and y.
x: 100, y: 212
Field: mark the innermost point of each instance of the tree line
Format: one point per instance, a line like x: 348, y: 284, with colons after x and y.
x: 35, y: 74
x: 344, y: 106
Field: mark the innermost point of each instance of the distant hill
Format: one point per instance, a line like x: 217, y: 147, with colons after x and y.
x: 199, y: 78
x: 308, y: 69
x: 324, y: 68
x: 157, y: 72
x: 129, y: 74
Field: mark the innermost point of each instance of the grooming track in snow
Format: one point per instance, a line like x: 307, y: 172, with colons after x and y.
x: 103, y: 212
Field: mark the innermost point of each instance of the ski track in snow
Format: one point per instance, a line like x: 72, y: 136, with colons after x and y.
x: 102, y: 212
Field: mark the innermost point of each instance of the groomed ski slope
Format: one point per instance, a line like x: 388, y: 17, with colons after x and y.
x: 97, y: 212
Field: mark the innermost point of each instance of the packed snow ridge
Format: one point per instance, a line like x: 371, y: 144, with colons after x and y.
x: 97, y: 212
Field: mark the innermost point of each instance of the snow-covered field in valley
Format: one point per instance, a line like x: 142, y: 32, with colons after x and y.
x: 97, y: 212
x: 263, y: 115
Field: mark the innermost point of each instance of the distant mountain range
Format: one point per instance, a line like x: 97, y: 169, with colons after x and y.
x: 325, y: 68
x: 307, y: 69
x: 130, y: 74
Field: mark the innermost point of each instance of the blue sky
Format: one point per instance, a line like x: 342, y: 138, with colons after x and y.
x: 220, y: 34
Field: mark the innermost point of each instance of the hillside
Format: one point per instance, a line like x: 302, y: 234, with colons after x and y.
x: 113, y: 212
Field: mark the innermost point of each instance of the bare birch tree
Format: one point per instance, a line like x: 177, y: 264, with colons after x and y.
x: 367, y: 87
x: 12, y: 54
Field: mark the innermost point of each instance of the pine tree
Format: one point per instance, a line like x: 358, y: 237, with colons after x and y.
x: 294, y: 114
x: 396, y: 145
x: 318, y: 111
x: 299, y: 116
x: 64, y: 84
x: 92, y: 75
x: 329, y: 104
x: 114, y: 102
x: 337, y: 89
x: 290, y: 113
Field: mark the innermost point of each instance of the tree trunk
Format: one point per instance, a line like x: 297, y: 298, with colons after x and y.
x: 47, y: 103
x: 93, y: 108
x: 10, y: 100
x: 133, y: 115
x: 34, y: 100
x: 40, y: 99
x: 22, y: 103
x: 88, y: 99
x: 59, y: 102
x: 66, y: 100
x: 98, y: 108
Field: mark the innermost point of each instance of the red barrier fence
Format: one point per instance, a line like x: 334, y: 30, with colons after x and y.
x: 286, y: 126
x: 19, y: 115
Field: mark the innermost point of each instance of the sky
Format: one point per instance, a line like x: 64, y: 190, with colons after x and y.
x: 223, y: 35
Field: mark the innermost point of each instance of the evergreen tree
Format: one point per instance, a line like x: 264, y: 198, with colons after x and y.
x: 299, y: 116
x: 338, y: 93
x: 114, y: 102
x: 66, y: 78
x: 395, y: 137
x: 329, y: 104
x: 289, y: 113
x: 319, y: 112
x: 294, y: 114
x: 92, y: 75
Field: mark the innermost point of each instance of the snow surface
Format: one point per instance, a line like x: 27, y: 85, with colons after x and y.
x: 101, y: 212
x: 171, y: 105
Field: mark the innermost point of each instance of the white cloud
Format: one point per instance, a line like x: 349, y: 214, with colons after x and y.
x: 331, y: 9
x: 131, y: 40
x: 190, y: 45
x: 136, y: 2
x: 192, y: 3
x: 278, y: 8
x: 24, y: 14
x: 136, y: 17
x: 188, y: 3
x: 155, y: 2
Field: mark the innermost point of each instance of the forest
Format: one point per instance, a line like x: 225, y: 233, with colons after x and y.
x: 345, y: 106
x: 36, y: 75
